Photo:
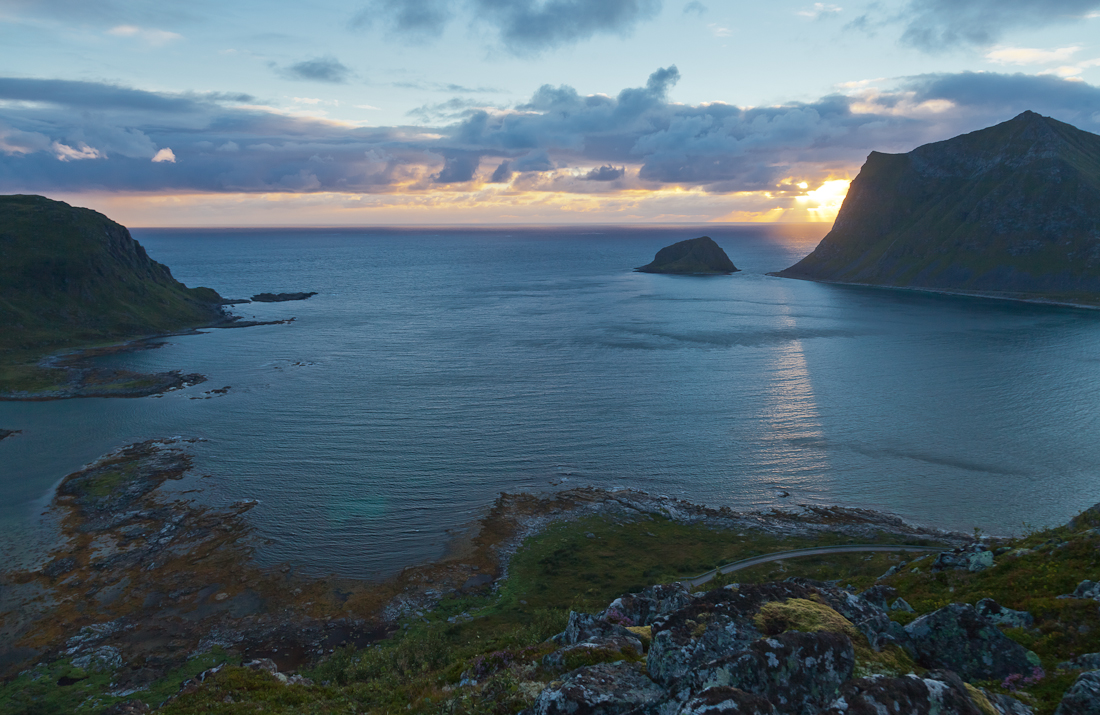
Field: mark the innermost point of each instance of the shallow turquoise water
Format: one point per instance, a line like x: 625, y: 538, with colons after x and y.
x: 437, y: 368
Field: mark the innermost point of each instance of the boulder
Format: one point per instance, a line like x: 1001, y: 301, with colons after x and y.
x: 607, y: 648
x: 1088, y: 661
x: 586, y: 627
x: 604, y: 689
x: 937, y: 692
x: 958, y: 638
x: 1006, y: 704
x: 879, y: 595
x: 727, y: 701
x: 1003, y: 616
x: 1086, y: 589
x: 871, y: 619
x: 963, y: 559
x: 799, y: 673
x: 646, y: 606
x: 901, y: 604
x: 1083, y: 697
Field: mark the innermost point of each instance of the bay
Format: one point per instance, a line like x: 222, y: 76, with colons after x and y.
x: 439, y: 367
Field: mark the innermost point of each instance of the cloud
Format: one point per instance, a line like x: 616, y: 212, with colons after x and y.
x: 1029, y: 56
x: 150, y: 36
x: 319, y: 69
x: 523, y: 27
x: 695, y: 7
x: 605, y: 173
x: 638, y: 140
x: 935, y: 25
x: 820, y: 10
x: 165, y: 155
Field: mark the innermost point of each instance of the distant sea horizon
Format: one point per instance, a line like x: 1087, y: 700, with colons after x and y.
x: 439, y: 366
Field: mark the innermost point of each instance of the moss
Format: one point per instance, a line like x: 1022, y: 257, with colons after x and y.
x: 800, y: 614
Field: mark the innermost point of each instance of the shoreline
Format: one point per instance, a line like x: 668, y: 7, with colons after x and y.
x: 938, y: 291
x: 138, y: 566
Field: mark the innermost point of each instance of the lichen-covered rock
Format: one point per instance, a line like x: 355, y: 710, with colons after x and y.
x: 956, y: 560
x: 711, y: 626
x: 1006, y: 704
x: 1083, y: 697
x: 870, y: 618
x: 958, y: 638
x: 727, y: 701
x: 1003, y: 616
x: 980, y: 561
x: 879, y: 595
x: 646, y: 606
x: 585, y: 627
x: 799, y: 673
x: 938, y: 693
x: 605, y: 689
x: 1086, y: 589
x: 591, y: 651
x: 902, y: 605
x: 1088, y: 661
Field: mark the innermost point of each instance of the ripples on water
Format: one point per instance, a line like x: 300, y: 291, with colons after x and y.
x: 437, y: 368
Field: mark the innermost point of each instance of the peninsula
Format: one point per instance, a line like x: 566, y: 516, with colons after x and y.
x: 696, y: 256
x: 1011, y: 211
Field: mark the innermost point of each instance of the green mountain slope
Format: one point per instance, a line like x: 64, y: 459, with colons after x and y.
x: 71, y: 276
x: 1012, y: 210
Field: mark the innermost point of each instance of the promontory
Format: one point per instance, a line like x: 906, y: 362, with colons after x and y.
x: 1009, y: 211
x: 694, y: 256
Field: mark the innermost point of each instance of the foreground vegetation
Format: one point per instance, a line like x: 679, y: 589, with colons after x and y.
x: 481, y: 653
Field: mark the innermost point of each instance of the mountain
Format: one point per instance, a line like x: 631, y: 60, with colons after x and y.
x: 694, y: 256
x: 1012, y: 210
x: 70, y: 275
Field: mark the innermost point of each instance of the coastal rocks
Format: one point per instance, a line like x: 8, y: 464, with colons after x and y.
x: 604, y: 689
x: 799, y: 673
x: 972, y: 560
x: 1004, y: 616
x: 727, y: 701
x: 281, y: 297
x: 1086, y: 589
x: 4, y: 433
x: 646, y: 606
x: 958, y: 638
x: 695, y: 256
x: 937, y: 692
x: 1083, y: 697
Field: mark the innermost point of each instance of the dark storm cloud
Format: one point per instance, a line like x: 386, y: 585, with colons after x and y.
x: 318, y: 69
x: 605, y: 173
x: 941, y: 24
x: 100, y: 136
x: 524, y: 26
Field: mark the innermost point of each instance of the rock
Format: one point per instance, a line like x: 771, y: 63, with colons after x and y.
x: 901, y: 605
x: 1006, y: 704
x: 60, y: 566
x: 694, y: 256
x: 879, y: 595
x: 104, y: 658
x: 1086, y: 589
x: 646, y: 606
x: 281, y: 297
x: 594, y: 650
x: 1088, y: 661
x: 980, y: 561
x: 127, y: 707
x: 1088, y: 518
x: 937, y: 692
x: 1083, y: 697
x: 958, y: 638
x: 8, y: 433
x: 871, y: 620
x: 604, y: 689
x: 1004, y: 616
x: 727, y: 701
x: 799, y: 673
x: 586, y: 627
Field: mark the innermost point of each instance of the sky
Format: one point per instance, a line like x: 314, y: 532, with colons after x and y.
x: 424, y: 112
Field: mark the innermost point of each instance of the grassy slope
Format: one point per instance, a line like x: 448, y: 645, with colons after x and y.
x: 71, y: 277
x: 1012, y: 208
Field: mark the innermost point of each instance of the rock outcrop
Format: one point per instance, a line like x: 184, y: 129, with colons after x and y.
x: 1012, y: 210
x: 694, y: 257
x: 796, y: 647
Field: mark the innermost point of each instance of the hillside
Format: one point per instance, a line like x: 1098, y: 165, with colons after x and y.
x: 72, y: 276
x: 1012, y: 210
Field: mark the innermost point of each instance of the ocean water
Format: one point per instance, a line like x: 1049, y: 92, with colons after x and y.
x: 438, y: 368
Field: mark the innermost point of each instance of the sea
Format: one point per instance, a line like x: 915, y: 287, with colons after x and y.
x: 438, y: 367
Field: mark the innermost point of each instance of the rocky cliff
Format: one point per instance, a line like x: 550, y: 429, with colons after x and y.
x: 1012, y: 210
x: 72, y: 275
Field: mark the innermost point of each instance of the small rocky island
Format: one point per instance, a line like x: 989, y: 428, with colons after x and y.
x: 696, y: 256
x: 281, y: 297
x: 1011, y: 211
